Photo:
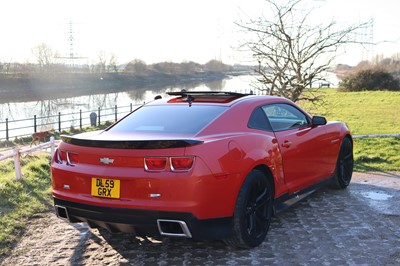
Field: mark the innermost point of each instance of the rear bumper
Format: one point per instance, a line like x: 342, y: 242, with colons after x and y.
x: 144, y: 222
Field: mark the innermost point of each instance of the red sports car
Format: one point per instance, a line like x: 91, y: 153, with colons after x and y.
x: 202, y: 165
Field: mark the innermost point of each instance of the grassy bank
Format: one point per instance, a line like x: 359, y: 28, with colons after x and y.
x: 367, y: 112
x: 377, y: 154
x: 19, y: 200
x: 372, y: 112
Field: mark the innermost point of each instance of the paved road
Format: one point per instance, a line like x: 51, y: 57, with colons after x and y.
x: 356, y: 226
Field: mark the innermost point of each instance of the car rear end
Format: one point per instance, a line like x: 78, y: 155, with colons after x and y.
x: 111, y: 187
x: 147, y: 175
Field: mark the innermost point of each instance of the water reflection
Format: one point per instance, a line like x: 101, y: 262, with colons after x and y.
x: 216, y: 85
x: 138, y: 95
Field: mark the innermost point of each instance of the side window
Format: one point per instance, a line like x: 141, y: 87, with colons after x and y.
x: 285, y: 116
x: 258, y: 120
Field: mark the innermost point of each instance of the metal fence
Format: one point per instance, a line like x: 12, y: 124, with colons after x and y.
x: 10, y: 129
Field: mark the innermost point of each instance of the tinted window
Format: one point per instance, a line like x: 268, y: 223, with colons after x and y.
x: 180, y: 119
x: 285, y: 116
x: 258, y: 120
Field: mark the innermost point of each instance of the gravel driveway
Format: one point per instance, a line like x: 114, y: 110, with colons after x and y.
x: 356, y: 226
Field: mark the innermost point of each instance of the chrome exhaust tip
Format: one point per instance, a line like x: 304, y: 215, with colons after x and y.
x: 61, y: 212
x: 174, y: 228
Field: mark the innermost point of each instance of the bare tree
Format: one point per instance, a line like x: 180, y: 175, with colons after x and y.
x: 107, y: 63
x: 112, y: 64
x: 102, y: 63
x: 44, y: 56
x: 291, y: 53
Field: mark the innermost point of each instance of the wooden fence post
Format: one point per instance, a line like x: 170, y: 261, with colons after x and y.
x: 17, y: 164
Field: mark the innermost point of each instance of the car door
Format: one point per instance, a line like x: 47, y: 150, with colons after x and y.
x: 303, y: 146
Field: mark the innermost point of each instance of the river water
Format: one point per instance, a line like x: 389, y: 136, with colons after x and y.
x: 20, y: 115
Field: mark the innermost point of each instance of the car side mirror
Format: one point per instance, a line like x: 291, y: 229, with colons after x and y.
x: 318, y: 120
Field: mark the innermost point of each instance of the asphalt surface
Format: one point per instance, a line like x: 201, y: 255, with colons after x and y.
x: 356, y: 226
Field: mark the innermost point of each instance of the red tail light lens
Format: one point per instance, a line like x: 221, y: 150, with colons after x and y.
x: 62, y: 156
x: 72, y: 158
x: 181, y: 164
x: 155, y: 163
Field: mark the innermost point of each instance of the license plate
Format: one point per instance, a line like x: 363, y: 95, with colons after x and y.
x: 106, y: 188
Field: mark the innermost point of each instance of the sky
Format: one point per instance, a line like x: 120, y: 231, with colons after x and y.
x: 170, y: 30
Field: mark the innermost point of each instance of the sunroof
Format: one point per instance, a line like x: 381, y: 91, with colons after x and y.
x: 205, y: 96
x: 213, y: 93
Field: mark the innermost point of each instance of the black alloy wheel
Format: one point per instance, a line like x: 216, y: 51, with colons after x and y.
x: 344, y: 165
x: 253, y: 211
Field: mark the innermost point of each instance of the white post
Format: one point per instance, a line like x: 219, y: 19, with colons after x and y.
x: 17, y: 164
x: 52, y: 140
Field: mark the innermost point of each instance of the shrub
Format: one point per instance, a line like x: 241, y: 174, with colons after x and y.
x: 369, y: 80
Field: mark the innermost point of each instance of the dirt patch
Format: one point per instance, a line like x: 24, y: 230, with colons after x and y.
x: 52, y: 241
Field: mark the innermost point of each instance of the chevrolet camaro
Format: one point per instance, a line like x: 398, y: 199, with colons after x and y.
x: 201, y: 165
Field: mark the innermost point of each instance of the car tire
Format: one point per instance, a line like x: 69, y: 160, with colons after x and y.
x: 253, y: 211
x: 344, y: 165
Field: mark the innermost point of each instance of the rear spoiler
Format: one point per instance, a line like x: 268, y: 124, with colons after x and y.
x: 131, y: 144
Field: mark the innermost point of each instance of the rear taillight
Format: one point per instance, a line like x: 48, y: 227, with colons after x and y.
x: 70, y: 158
x: 155, y: 163
x: 181, y: 164
x: 62, y: 156
x: 175, y: 164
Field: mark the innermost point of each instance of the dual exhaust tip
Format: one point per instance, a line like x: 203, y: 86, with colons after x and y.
x: 174, y: 228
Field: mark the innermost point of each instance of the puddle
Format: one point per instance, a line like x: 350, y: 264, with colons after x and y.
x: 376, y: 195
x: 381, y: 202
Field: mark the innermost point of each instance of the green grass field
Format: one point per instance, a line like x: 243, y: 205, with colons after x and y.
x: 372, y: 112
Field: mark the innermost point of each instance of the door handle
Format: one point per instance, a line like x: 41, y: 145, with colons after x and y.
x: 286, y: 144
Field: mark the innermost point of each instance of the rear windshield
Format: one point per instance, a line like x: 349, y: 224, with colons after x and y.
x: 179, y: 119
